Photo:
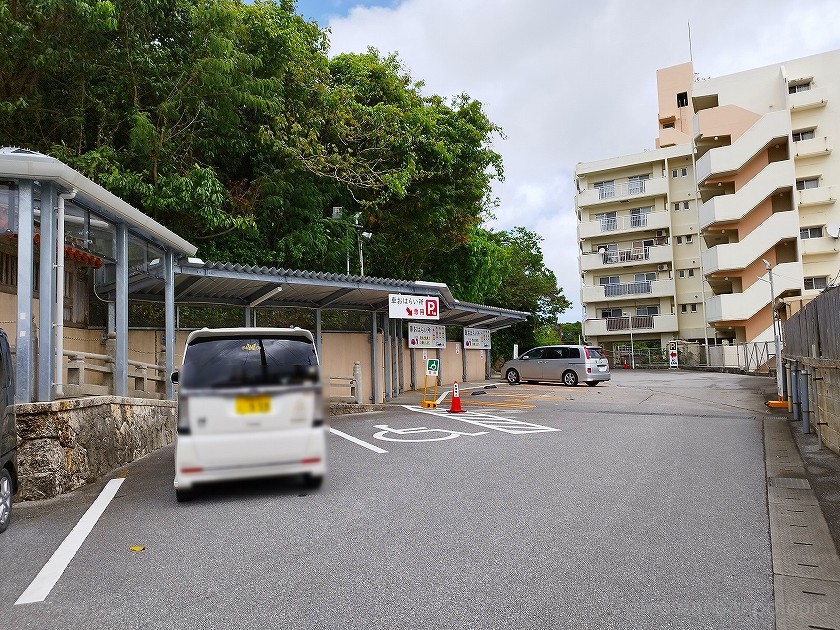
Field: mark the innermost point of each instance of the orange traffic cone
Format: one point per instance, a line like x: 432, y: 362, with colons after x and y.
x: 456, y: 400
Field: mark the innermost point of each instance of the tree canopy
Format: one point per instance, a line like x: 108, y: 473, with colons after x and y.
x: 229, y: 123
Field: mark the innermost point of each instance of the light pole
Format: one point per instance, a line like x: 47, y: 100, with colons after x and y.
x: 775, y: 330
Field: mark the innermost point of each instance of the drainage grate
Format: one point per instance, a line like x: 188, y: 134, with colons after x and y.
x: 789, y: 482
x: 802, y: 603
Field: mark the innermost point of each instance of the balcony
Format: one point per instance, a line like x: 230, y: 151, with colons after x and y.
x: 626, y: 223
x: 780, y: 226
x: 730, y: 159
x: 817, y: 196
x: 809, y: 99
x: 734, y: 207
x: 623, y: 191
x: 623, y: 325
x: 629, y: 290
x: 817, y: 246
x: 626, y: 257
x: 811, y: 148
x: 731, y: 307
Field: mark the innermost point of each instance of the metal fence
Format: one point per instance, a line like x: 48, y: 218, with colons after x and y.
x: 812, y: 367
x: 757, y: 357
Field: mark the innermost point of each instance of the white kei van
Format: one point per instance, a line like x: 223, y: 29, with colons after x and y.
x: 249, y: 405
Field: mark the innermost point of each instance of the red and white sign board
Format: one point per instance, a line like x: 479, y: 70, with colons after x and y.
x: 673, y: 357
x: 426, y: 335
x: 413, y: 307
x: 476, y: 339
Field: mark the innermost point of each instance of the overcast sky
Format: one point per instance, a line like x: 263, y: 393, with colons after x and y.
x: 570, y: 81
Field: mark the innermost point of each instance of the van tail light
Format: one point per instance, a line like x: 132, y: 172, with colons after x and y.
x: 586, y: 352
x: 183, y: 416
x: 310, y: 460
x: 589, y: 370
x: 320, y: 412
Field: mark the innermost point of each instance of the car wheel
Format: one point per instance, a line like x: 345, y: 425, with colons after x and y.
x: 5, y: 499
x: 182, y: 494
x: 592, y: 383
x: 512, y: 376
x: 570, y: 378
x: 313, y: 482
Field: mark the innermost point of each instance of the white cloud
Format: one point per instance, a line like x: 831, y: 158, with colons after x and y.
x: 573, y: 82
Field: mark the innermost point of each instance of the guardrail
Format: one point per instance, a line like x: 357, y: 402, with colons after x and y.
x: 353, y: 382
x: 145, y: 380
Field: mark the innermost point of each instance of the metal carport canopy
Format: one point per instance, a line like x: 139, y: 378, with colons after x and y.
x: 197, y: 282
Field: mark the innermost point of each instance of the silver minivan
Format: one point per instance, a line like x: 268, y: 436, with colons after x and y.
x: 569, y: 365
x: 249, y: 405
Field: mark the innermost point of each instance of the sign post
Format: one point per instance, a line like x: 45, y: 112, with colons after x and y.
x: 673, y: 356
x: 432, y: 369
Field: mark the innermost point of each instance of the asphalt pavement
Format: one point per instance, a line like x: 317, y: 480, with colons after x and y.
x: 641, y: 503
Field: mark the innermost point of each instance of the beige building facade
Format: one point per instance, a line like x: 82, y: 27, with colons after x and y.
x: 743, y: 172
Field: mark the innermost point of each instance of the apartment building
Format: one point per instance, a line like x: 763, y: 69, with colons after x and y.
x: 673, y: 241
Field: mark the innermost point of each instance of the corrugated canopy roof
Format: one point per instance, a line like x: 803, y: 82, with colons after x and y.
x: 197, y: 282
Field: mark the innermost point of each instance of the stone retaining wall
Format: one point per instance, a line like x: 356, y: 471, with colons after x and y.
x: 66, y: 444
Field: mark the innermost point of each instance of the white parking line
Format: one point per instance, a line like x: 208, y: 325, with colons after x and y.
x: 356, y: 440
x: 43, y: 583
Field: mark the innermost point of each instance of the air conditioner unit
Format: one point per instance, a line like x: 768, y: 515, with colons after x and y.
x: 663, y: 267
x: 660, y: 232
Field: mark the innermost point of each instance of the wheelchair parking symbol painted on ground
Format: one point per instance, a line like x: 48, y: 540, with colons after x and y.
x: 488, y: 421
x: 448, y: 434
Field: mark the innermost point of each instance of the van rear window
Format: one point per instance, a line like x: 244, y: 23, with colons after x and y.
x: 596, y: 353
x: 220, y: 362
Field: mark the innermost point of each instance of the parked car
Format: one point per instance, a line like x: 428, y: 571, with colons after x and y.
x: 8, y: 434
x: 566, y: 364
x: 249, y: 405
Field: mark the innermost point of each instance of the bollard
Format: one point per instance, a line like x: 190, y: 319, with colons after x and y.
x: 794, y: 389
x: 357, y: 380
x: 804, y: 410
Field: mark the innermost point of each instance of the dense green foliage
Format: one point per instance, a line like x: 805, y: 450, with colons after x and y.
x: 228, y: 123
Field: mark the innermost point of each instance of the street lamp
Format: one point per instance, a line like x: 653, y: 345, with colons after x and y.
x: 775, y: 330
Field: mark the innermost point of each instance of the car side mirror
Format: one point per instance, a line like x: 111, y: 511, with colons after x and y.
x: 524, y: 358
x: 174, y: 377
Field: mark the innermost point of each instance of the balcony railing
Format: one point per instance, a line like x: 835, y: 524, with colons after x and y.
x: 607, y: 193
x: 625, y: 255
x: 630, y: 288
x: 611, y: 224
x: 626, y: 323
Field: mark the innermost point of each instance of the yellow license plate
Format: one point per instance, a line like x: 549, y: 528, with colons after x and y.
x: 247, y: 405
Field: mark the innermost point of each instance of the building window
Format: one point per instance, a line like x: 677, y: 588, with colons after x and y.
x: 682, y: 273
x: 679, y: 240
x: 611, y: 312
x: 688, y: 238
x: 647, y: 310
x: 684, y: 172
x: 604, y: 280
x: 683, y: 308
x: 812, y: 232
x: 799, y: 86
x: 685, y: 205
x: 682, y: 99
x: 803, y: 134
x: 607, y: 220
x: 694, y: 308
x: 674, y: 173
x: 805, y: 184
x: 691, y: 273
x: 638, y: 216
x: 636, y: 184
x: 677, y: 207
x: 815, y: 283
x: 668, y: 126
x: 606, y: 190
x: 648, y: 276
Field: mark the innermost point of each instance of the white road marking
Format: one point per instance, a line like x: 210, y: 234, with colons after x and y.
x: 43, y: 583
x: 381, y: 435
x: 356, y: 440
x: 488, y: 421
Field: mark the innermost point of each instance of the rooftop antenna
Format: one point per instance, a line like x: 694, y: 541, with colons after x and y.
x: 690, y: 53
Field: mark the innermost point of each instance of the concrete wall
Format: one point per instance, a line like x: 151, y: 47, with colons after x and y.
x: 828, y: 405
